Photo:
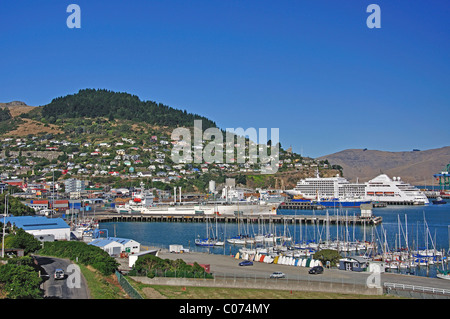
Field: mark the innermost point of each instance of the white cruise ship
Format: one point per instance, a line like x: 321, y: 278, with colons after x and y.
x: 328, y: 188
x: 380, y: 189
x: 384, y: 189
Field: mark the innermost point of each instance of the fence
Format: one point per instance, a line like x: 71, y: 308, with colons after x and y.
x: 294, y: 283
x: 415, y: 291
x: 133, y: 293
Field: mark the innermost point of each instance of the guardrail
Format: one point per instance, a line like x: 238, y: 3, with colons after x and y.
x: 439, y: 291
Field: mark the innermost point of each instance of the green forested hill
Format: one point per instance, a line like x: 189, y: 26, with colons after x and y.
x: 94, y: 103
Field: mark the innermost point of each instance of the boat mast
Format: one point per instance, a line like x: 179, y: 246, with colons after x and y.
x: 399, y: 238
x: 406, y: 227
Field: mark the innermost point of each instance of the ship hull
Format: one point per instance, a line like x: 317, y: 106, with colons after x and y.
x: 347, y: 204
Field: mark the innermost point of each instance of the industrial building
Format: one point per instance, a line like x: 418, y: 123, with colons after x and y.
x: 133, y: 258
x: 41, y: 226
x: 115, y: 245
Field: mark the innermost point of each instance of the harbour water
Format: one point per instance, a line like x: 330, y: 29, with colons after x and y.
x: 422, y: 226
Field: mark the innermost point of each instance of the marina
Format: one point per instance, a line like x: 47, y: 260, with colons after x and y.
x: 411, y: 240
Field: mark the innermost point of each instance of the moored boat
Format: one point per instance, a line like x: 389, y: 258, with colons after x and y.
x: 443, y: 275
x: 439, y: 201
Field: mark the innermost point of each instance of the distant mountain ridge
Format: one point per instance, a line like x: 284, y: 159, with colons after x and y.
x: 415, y: 167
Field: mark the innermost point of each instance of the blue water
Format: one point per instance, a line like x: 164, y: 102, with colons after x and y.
x: 436, y: 217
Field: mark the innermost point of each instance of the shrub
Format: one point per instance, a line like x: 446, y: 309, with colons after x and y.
x: 20, y: 281
x: 22, y: 239
x: 86, y: 254
x: 330, y: 255
x: 152, y: 266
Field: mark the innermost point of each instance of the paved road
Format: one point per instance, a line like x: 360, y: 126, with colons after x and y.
x: 71, y: 287
x: 222, y: 264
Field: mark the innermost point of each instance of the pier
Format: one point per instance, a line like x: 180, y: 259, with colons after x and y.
x: 436, y: 194
x: 276, y: 219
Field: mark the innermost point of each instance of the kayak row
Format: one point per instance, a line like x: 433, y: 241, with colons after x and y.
x: 280, y: 260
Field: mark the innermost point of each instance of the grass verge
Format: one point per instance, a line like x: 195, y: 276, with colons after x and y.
x: 100, y: 286
x: 185, y: 292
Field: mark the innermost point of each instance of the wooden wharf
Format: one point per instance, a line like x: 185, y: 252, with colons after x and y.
x: 276, y: 219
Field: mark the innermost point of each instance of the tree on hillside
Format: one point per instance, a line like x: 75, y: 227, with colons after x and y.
x: 5, y: 114
x: 20, y: 281
x: 15, y: 206
x: 23, y: 240
x: 92, y: 103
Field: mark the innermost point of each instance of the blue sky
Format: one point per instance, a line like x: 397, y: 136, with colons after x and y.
x: 313, y: 69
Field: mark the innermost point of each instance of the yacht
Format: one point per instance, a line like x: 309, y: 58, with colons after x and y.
x: 330, y: 191
x: 384, y: 189
x: 338, y: 191
x: 328, y: 188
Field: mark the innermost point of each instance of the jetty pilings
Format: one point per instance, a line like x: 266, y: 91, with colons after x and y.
x: 276, y: 219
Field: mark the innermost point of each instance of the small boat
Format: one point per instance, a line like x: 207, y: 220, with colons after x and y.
x: 237, y: 240
x: 439, y: 201
x: 219, y: 243
x: 205, y: 242
x: 443, y: 275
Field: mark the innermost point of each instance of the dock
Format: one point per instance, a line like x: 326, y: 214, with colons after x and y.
x: 276, y: 219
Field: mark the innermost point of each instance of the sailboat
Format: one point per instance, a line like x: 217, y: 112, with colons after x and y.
x: 206, y: 242
x: 218, y: 242
x: 240, y: 239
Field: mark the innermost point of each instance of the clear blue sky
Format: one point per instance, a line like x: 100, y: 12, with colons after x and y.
x: 313, y: 69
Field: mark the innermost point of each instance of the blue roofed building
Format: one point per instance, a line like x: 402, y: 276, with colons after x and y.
x: 41, y: 227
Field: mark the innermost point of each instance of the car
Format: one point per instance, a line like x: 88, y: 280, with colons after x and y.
x: 246, y: 263
x: 59, y: 274
x: 316, y: 270
x: 277, y: 274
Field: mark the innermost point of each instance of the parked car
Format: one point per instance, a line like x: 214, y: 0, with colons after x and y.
x: 277, y: 274
x: 59, y: 274
x: 246, y: 263
x: 316, y: 270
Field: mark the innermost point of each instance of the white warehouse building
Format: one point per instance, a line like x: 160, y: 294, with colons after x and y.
x: 41, y: 227
x: 115, y: 245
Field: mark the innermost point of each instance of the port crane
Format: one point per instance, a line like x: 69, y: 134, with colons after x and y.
x: 444, y: 178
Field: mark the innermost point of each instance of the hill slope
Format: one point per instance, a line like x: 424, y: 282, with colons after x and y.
x: 416, y: 167
x: 94, y: 103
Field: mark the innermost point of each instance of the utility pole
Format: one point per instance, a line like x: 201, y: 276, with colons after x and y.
x: 4, y: 225
x: 53, y: 194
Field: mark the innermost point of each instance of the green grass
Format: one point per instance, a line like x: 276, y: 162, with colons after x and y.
x: 186, y: 292
x: 100, y: 286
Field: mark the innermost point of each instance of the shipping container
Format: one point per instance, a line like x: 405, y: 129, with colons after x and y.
x: 35, y: 201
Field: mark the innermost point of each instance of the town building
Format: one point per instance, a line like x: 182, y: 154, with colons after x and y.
x: 41, y: 226
x: 114, y: 245
x: 74, y: 185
